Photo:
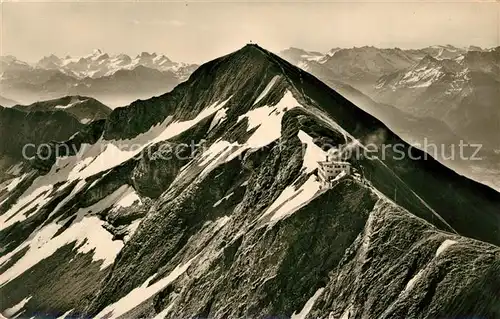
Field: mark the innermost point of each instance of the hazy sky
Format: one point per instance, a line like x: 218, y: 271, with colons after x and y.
x: 199, y: 31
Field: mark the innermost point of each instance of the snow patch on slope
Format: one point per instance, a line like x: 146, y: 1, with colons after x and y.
x: 128, y: 199
x: 34, y: 200
x: 421, y: 78
x: 15, y: 310
x: 71, y: 104
x: 98, y: 240
x: 308, y: 306
x: 267, y: 120
x: 290, y: 200
x: 217, y: 203
x: 219, y: 117
x: 268, y: 88
x: 347, y: 313
x: 216, y: 154
x: 78, y: 187
x: 131, y: 229
x: 142, y: 293
x: 459, y: 81
x: 64, y: 315
x: 313, y: 153
x: 214, y: 151
x: 86, y: 231
x: 104, y: 155
x: 115, y: 154
x: 412, y: 281
x: 447, y: 243
x: 16, y: 181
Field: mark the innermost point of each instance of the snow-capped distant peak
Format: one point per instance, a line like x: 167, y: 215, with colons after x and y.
x: 99, y: 64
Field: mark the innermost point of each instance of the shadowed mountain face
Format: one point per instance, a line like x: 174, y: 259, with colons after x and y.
x: 85, y: 109
x: 26, y: 129
x: 23, y: 132
x: 135, y: 223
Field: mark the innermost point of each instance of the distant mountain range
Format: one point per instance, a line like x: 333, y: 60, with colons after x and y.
x: 116, y: 80
x: 100, y: 64
x: 442, y: 93
x: 363, y: 66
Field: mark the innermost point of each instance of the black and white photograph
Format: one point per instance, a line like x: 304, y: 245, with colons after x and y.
x: 250, y: 159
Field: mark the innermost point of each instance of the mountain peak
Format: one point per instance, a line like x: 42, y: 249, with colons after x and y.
x: 252, y: 46
x: 254, y: 50
x: 248, y: 56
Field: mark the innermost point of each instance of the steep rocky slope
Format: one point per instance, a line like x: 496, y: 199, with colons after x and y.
x: 401, y: 267
x: 239, y: 226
